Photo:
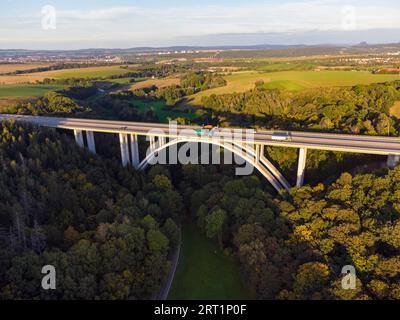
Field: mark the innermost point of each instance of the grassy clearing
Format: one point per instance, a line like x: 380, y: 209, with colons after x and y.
x: 162, y: 111
x: 294, y: 80
x: 204, y: 272
x: 160, y: 83
x: 127, y: 81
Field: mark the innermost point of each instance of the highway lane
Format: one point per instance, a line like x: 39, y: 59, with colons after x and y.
x: 140, y: 126
x: 136, y: 125
x: 311, y: 140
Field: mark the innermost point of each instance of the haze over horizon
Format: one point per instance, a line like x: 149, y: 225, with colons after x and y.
x: 127, y: 24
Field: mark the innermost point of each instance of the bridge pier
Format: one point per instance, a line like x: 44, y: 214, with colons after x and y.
x: 301, y: 167
x: 135, y: 151
x: 393, y: 161
x: 258, y: 150
x: 90, y: 141
x: 79, y: 138
x: 123, y: 140
x: 153, y: 145
x: 161, y: 141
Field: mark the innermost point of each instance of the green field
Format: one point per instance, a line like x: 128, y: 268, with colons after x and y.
x: 26, y: 90
x: 288, y: 66
x: 294, y: 80
x: 88, y: 73
x: 205, y: 273
x: 283, y: 85
x: 161, y: 110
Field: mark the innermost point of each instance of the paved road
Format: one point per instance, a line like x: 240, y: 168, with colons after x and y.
x: 166, y: 286
x: 311, y: 140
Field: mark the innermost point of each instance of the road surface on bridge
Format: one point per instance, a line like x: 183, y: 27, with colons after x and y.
x: 310, y: 140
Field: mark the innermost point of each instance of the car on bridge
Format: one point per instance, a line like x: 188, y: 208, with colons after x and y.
x: 206, y: 130
x: 282, y: 136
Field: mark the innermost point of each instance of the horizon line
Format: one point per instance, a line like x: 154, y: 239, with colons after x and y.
x: 221, y: 47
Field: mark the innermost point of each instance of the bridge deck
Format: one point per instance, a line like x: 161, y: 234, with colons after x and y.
x: 321, y: 141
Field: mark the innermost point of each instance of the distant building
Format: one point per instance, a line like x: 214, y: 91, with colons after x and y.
x: 388, y: 70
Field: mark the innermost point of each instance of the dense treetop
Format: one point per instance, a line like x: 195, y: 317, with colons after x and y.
x: 107, y: 230
x: 360, y: 109
x: 295, y: 248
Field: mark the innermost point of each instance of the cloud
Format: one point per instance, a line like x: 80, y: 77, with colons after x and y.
x: 166, y: 24
x: 283, y: 17
x: 248, y: 17
x: 99, y: 14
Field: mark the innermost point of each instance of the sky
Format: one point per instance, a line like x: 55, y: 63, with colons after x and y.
x: 77, y: 24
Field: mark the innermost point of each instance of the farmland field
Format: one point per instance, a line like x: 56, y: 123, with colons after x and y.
x: 283, y: 85
x: 286, y: 67
x: 12, y: 67
x: 11, y: 94
x: 294, y: 80
x: 25, y: 91
x: 91, y: 72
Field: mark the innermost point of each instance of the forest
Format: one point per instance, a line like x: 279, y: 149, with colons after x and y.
x: 362, y: 109
x: 110, y: 231
x: 295, y: 247
x: 190, y: 83
x: 106, y: 229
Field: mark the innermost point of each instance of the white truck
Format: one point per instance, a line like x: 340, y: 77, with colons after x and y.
x: 282, y: 136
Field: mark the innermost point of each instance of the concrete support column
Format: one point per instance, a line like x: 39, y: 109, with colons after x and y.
x: 302, y: 167
x: 162, y: 141
x: 135, y: 151
x: 153, y: 145
x: 250, y: 146
x: 123, y: 140
x: 258, y: 149
x: 90, y: 141
x: 79, y: 138
x: 393, y: 161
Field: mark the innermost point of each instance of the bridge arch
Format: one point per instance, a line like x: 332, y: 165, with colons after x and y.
x: 247, y: 153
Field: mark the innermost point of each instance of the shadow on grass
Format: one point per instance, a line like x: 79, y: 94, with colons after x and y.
x: 204, y: 272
